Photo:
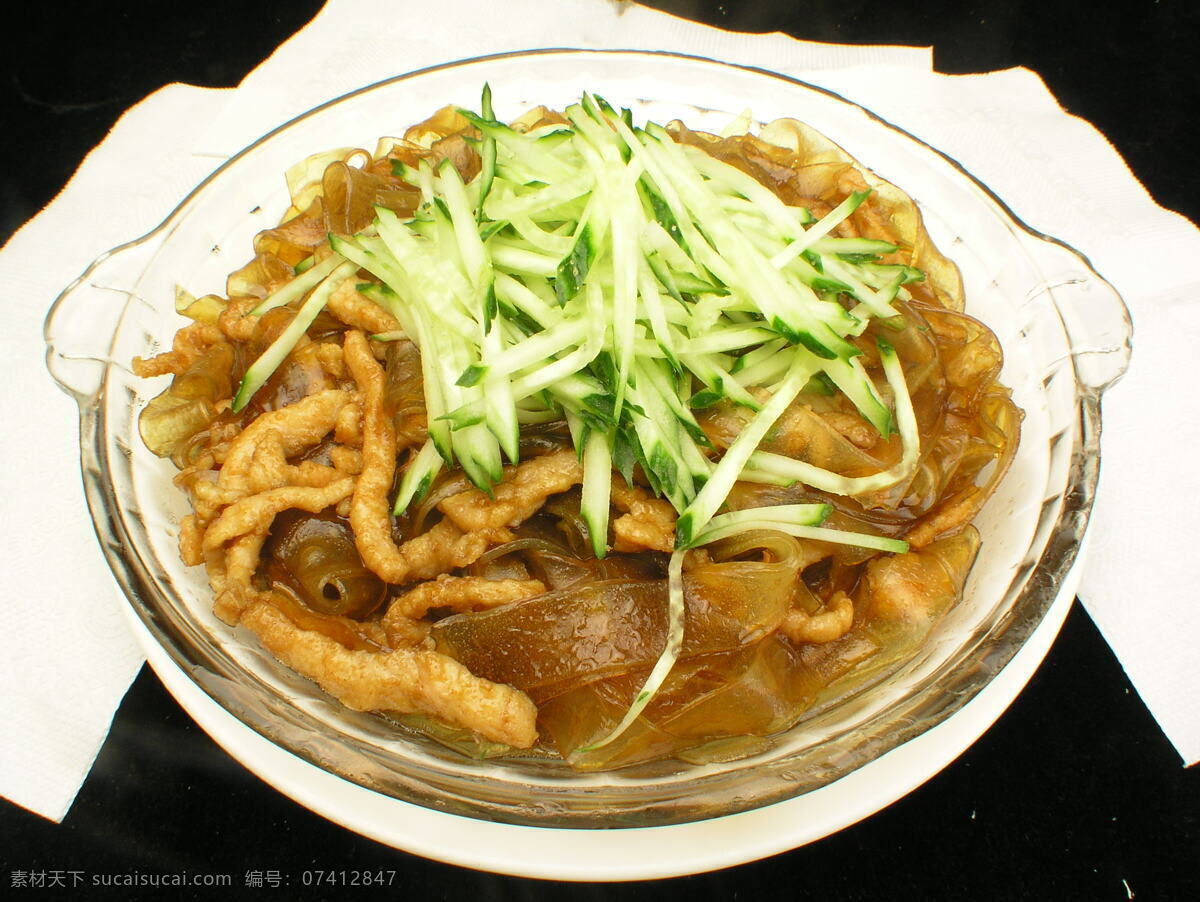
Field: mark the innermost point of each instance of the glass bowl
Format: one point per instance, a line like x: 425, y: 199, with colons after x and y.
x: 1065, y: 332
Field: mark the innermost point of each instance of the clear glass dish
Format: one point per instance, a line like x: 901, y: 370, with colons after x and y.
x: 1065, y: 332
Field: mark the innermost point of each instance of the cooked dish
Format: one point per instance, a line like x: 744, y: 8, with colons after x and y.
x: 577, y: 437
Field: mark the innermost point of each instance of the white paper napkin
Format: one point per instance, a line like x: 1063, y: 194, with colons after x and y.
x: 67, y: 655
x: 335, y: 54
x: 68, y: 658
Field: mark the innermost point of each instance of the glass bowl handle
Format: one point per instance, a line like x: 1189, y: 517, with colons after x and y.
x: 81, y: 326
x: 1097, y: 322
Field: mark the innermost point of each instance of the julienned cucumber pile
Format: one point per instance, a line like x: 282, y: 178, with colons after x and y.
x: 600, y: 272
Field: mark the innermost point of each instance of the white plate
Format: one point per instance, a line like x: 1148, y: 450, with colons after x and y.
x: 887, y: 742
x: 611, y: 855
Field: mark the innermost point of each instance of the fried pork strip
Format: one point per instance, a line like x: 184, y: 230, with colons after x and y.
x: 648, y: 522
x: 301, y: 425
x: 230, y: 572
x: 519, y: 495
x: 370, y: 516
x: 407, y: 680
x: 444, y: 547
x: 189, y: 344
x: 831, y: 623
x: 359, y: 312
x: 462, y: 593
x: 256, y: 513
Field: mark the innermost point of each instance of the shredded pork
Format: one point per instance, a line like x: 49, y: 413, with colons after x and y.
x: 519, y: 496
x: 405, y: 680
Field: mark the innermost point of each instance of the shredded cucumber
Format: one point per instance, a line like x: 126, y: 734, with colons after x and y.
x: 260, y: 371
x: 676, y: 610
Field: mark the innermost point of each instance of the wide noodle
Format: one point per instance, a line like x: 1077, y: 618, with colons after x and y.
x: 483, y: 618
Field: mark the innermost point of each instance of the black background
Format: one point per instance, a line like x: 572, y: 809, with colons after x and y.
x: 1073, y: 794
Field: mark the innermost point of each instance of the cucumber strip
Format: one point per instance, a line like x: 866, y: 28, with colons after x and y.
x: 820, y: 229
x: 730, y: 339
x: 542, y: 287
x: 718, y: 380
x: 540, y: 240
x: 488, y: 229
x: 464, y: 416
x: 487, y: 154
x: 597, y: 488
x: 424, y: 181
x: 663, y: 212
x: 689, y: 283
x: 658, y: 436
x: 873, y: 246
x: 764, y: 371
x: 722, y: 526
x: 746, y: 214
x: 699, y: 466
x: 466, y: 229
x: 676, y: 611
x: 875, y: 301
x: 522, y: 260
x: 533, y: 351
x: 764, y: 477
x: 578, y: 393
x: 501, y: 407
x: 652, y: 305
x: 823, y: 534
x: 656, y: 376
x: 262, y: 368
x: 384, y: 296
x: 435, y: 401
x: 763, y: 352
x: 418, y: 477
x: 852, y: 380
x: 478, y: 452
x: 537, y: 417
x: 303, y: 283
x: 519, y: 295
x: 571, y: 271
x: 603, y: 140
x: 656, y: 239
x: 878, y: 274
x: 725, y: 474
x: 662, y: 272
x: 850, y: 486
